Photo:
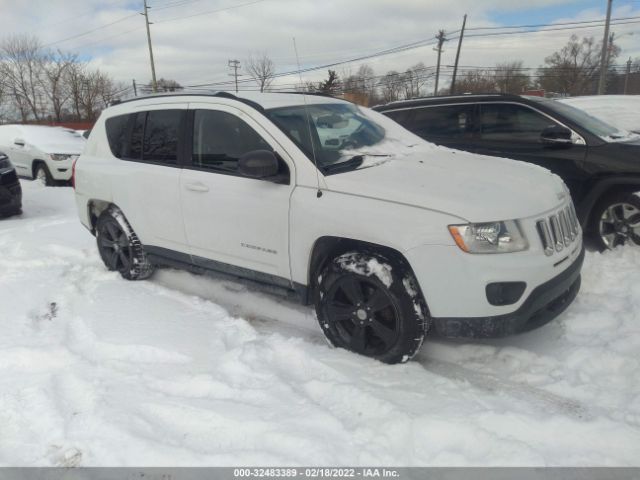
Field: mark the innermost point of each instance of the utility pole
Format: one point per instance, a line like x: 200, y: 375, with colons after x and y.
x: 235, y: 64
x: 626, y: 77
x: 455, y: 66
x: 441, y: 39
x: 605, y: 48
x: 154, y: 84
x: 135, y: 89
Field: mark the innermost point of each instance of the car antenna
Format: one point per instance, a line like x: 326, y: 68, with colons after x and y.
x: 308, y: 115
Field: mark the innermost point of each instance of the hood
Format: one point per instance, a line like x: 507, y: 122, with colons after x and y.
x: 474, y: 187
x: 71, y: 148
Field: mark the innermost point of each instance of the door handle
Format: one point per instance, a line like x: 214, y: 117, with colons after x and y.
x: 197, y: 187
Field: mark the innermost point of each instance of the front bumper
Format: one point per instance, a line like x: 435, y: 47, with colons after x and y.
x: 543, y: 304
x: 60, y: 169
x: 10, y: 193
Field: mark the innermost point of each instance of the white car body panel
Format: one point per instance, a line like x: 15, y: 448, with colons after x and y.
x: 39, y: 143
x: 403, y: 202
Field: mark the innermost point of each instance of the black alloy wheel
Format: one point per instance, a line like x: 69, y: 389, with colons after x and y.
x: 371, y: 305
x: 114, y: 246
x: 363, y: 315
x: 119, y: 246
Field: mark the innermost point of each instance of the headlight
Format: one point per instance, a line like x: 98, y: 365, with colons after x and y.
x: 59, y: 156
x: 491, y: 237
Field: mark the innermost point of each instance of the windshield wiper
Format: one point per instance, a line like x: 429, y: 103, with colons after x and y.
x: 346, y: 166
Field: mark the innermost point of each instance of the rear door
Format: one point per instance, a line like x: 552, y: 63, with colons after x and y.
x: 234, y: 223
x: 514, y: 131
x: 146, y: 181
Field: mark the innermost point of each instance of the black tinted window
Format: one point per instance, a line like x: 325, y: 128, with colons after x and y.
x: 161, y: 136
x: 135, y: 145
x: 220, y: 138
x: 403, y: 117
x: 510, y: 122
x: 446, y: 121
x: 117, y: 134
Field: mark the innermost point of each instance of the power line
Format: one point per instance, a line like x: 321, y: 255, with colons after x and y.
x: 553, y: 24
x: 211, y: 11
x: 122, y: 19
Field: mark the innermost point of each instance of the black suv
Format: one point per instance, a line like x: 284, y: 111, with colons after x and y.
x: 10, y: 191
x: 599, y: 164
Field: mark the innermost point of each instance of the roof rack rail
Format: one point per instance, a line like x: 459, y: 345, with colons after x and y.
x: 220, y: 94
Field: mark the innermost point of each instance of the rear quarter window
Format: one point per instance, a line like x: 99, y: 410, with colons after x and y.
x: 117, y: 134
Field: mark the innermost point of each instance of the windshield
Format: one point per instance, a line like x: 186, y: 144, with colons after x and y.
x: 337, y: 134
x: 593, y: 125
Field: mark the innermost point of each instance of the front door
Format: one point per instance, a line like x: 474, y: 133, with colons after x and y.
x: 233, y: 223
x: 514, y: 131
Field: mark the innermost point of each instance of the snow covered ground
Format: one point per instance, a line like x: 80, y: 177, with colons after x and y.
x: 187, y: 370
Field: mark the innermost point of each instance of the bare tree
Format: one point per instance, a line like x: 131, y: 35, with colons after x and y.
x: 262, y: 69
x: 392, y: 86
x: 414, y: 79
x: 509, y: 77
x: 21, y: 67
x: 55, y: 66
x: 162, y: 85
x: 477, y: 81
x: 575, y: 68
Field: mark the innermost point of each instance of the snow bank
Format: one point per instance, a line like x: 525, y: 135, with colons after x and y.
x: 186, y: 370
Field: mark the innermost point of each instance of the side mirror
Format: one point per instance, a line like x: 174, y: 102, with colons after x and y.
x: 556, y: 135
x: 19, y: 142
x: 258, y: 164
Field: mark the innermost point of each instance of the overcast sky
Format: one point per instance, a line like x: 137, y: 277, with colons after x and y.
x: 195, y: 49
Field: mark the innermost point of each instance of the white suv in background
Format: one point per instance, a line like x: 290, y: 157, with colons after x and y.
x: 389, y: 236
x: 40, y: 152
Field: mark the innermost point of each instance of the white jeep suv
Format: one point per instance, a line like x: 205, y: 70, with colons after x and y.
x: 389, y: 236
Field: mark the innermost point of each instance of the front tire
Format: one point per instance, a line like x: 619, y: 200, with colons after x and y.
x: 43, y: 175
x: 371, y: 306
x: 119, y: 246
x: 615, y: 221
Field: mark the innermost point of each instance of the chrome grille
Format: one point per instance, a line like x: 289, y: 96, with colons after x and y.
x: 559, y: 230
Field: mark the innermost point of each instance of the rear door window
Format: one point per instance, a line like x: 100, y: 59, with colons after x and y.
x: 161, y: 135
x: 449, y: 122
x: 137, y: 132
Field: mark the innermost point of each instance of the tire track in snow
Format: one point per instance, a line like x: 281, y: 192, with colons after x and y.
x: 537, y: 397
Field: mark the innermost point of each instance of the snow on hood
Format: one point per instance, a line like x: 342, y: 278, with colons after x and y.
x: 474, y: 187
x: 407, y: 169
x: 55, y: 139
x: 621, y: 111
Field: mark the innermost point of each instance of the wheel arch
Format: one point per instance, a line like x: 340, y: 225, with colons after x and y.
x: 95, y: 208
x: 327, y: 248
x: 604, y: 187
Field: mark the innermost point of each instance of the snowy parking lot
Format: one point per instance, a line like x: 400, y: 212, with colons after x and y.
x: 188, y: 370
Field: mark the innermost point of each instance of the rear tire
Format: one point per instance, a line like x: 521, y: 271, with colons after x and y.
x: 615, y: 221
x: 369, y: 305
x: 119, y: 246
